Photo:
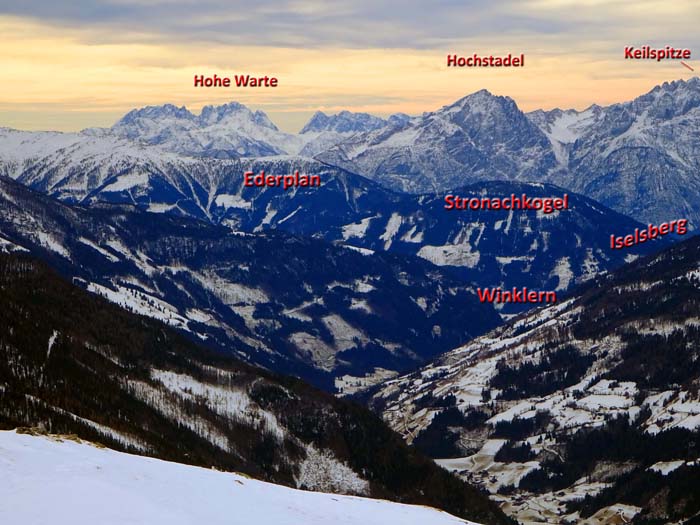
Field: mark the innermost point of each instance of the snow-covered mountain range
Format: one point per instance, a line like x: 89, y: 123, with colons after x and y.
x: 479, y: 137
x: 639, y: 158
x: 489, y: 247
x: 586, y: 411
x: 323, y: 132
x: 232, y: 131
x: 586, y: 408
x: 227, y: 131
x: 345, y: 122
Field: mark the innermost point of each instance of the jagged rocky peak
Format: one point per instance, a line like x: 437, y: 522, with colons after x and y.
x: 399, y: 119
x: 669, y: 99
x: 343, y: 122
x: 479, y: 102
x: 156, y: 112
x: 565, y: 126
x: 680, y: 84
x: 260, y: 117
x: 209, y: 115
x: 649, y: 120
x: 552, y: 114
x: 317, y: 122
x: 542, y: 117
x: 487, y: 117
x: 225, y: 131
x: 233, y: 111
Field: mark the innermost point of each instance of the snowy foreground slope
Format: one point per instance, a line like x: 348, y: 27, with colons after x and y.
x: 73, y: 363
x: 79, y: 483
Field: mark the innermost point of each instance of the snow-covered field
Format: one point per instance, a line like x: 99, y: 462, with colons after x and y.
x: 49, y: 480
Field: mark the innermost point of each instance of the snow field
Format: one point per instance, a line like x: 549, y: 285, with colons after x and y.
x: 79, y: 484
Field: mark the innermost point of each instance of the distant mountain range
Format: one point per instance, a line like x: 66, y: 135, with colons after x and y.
x: 227, y: 131
x: 639, y: 158
x: 575, y: 411
x: 323, y: 131
x: 343, y: 122
x: 234, y: 131
x: 479, y: 137
x: 160, y: 159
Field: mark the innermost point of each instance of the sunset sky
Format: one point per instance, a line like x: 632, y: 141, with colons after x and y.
x: 86, y: 62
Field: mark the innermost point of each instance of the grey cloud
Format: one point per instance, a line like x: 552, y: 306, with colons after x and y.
x: 295, y: 23
x: 355, y: 23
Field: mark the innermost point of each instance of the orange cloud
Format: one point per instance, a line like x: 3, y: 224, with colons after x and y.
x: 49, y: 71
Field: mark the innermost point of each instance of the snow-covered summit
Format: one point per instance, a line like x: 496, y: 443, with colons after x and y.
x: 233, y: 112
x: 343, y: 122
x: 155, y: 112
x: 479, y: 137
x: 322, y: 131
x: 477, y: 101
x: 229, y: 130
x: 398, y: 119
